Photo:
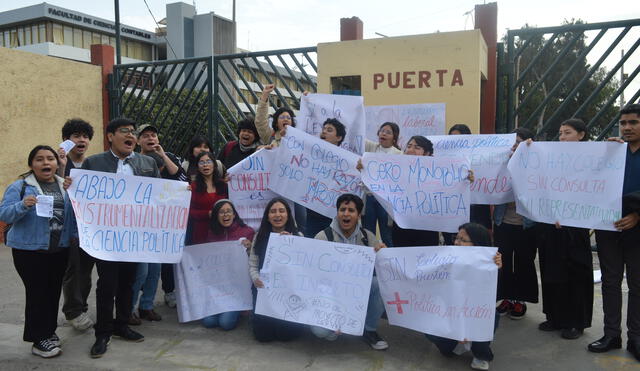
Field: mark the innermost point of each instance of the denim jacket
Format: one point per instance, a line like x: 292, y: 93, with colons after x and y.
x: 498, y: 215
x: 29, y: 231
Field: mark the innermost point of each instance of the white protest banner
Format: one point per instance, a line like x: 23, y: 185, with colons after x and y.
x: 578, y: 184
x: 130, y: 218
x: 316, y: 282
x: 413, y: 119
x: 447, y: 291
x: 420, y: 192
x: 314, y: 173
x: 212, y: 278
x: 488, y: 155
x: 249, y: 186
x: 315, y: 109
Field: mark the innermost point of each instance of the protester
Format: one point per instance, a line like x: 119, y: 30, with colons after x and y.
x: 247, y: 143
x: 620, y: 250
x: 39, y: 246
x: 471, y: 234
x: 199, y: 144
x: 115, y: 279
x: 226, y: 225
x: 388, y: 135
x: 515, y: 238
x: 566, y: 266
x: 148, y: 274
x: 207, y: 188
x: 334, y: 132
x: 76, y: 284
x: 346, y: 228
x: 276, y: 219
x: 282, y: 117
x: 416, y: 146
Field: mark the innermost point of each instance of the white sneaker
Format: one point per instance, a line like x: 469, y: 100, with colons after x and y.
x: 82, y: 322
x: 170, y: 299
x: 478, y: 364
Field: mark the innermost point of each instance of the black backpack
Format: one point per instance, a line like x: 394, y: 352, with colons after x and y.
x: 365, y: 239
x: 8, y: 226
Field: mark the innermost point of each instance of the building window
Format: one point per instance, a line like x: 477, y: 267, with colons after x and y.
x: 86, y: 39
x: 21, y: 36
x: 42, y: 33
x: 95, y: 38
x: 58, y: 36
x: 77, y: 38
x: 104, y: 39
x: 67, y: 35
x: 14, y: 38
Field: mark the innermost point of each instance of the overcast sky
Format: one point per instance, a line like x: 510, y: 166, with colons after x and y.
x: 278, y: 24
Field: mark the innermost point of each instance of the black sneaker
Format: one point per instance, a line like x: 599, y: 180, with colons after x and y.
x: 518, y: 311
x: 546, y: 326
x: 99, y: 348
x: 54, y: 339
x: 374, y: 340
x: 128, y: 334
x: 45, y: 349
x: 504, y: 307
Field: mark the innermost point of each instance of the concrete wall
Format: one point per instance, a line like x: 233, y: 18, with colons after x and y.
x: 435, y: 68
x: 37, y: 95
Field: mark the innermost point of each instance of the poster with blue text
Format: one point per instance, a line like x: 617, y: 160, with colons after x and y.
x: 313, y: 173
x: 318, y: 283
x: 420, y: 192
x: 447, y: 291
x: 130, y: 218
x: 578, y: 184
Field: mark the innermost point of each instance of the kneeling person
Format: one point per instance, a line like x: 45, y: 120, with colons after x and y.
x: 346, y: 228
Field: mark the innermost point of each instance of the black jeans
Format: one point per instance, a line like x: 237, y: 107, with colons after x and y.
x: 166, y: 274
x: 617, y: 250
x: 479, y: 349
x: 76, y: 285
x: 115, y: 281
x: 517, y: 280
x: 41, y: 274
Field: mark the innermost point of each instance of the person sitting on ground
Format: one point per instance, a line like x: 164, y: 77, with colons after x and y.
x: 346, y: 228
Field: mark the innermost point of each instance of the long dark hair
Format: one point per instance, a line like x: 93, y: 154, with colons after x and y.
x: 579, y: 126
x: 201, y: 185
x: 277, y: 113
x: 262, y: 237
x: 395, y: 129
x: 479, y: 234
x: 462, y: 128
x: 197, y: 141
x: 215, y: 225
x: 424, y: 143
x: 32, y: 155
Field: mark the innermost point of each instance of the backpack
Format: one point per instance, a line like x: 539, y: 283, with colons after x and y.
x: 329, y: 233
x: 7, y: 227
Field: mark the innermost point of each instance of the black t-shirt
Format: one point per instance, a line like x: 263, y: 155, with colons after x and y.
x: 56, y: 222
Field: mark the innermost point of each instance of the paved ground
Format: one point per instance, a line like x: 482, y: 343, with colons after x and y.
x: 518, y: 345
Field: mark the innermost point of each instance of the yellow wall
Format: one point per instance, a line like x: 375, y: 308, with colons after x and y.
x: 373, y: 59
x: 37, y: 95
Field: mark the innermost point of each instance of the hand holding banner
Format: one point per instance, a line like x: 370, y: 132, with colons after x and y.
x: 578, y: 184
x: 447, y: 291
x: 420, y: 192
x: 212, y: 278
x: 130, y: 218
x: 314, y: 173
x: 315, y: 109
x: 316, y: 282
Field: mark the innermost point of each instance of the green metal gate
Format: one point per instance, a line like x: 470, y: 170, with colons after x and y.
x: 548, y: 75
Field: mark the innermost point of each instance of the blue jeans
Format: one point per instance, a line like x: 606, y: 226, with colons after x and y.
x: 147, y: 277
x: 479, y: 349
x: 226, y: 321
x: 374, y: 212
x: 374, y: 312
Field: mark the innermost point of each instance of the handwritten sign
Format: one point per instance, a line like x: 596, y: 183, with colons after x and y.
x: 130, y: 218
x: 413, y: 119
x: 315, y: 109
x: 578, y: 184
x: 249, y: 186
x: 447, y: 291
x: 488, y: 156
x: 316, y: 282
x: 212, y: 278
x: 314, y: 173
x: 420, y: 192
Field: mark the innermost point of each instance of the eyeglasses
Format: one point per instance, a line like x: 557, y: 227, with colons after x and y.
x: 388, y: 132
x: 126, y: 131
x: 459, y: 239
x: 284, y: 117
x: 205, y: 162
x: 225, y: 212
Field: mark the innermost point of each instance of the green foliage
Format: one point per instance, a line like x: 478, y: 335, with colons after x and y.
x: 565, y: 71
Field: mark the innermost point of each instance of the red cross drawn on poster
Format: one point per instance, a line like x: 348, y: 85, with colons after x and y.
x: 398, y: 303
